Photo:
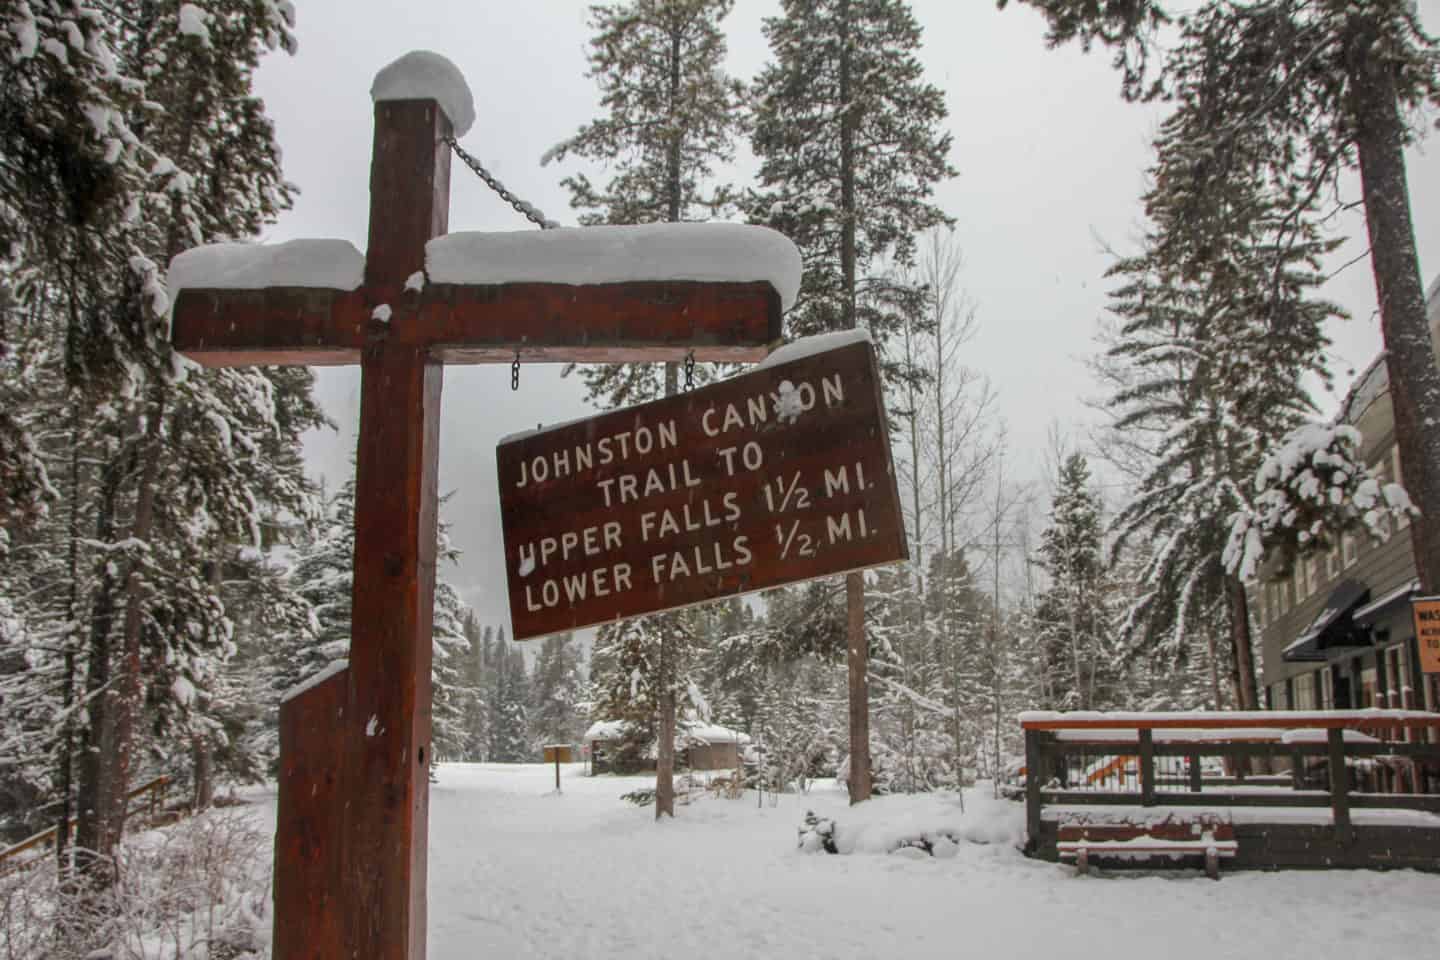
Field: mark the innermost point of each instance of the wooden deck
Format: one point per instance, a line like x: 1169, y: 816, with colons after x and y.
x: 1334, y: 789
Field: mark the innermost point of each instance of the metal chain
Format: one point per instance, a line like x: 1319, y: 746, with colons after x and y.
x: 690, y: 371
x: 515, y: 373
x: 521, y: 207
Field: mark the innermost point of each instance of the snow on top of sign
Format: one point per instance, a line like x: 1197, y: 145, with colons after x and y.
x: 314, y: 680
x: 328, y: 264
x: 714, y: 252
x: 422, y: 75
x: 809, y: 346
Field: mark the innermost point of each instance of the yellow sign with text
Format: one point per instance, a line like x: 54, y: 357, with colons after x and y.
x: 1426, y: 611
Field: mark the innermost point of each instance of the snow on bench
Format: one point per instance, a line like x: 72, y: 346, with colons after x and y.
x: 1173, y: 837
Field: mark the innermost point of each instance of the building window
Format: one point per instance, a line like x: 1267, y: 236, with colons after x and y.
x: 1349, y: 549
x: 1279, y: 699
x: 1367, y: 688
x: 1305, y: 691
x: 1332, y: 562
x: 1312, y: 575
x: 1327, y: 689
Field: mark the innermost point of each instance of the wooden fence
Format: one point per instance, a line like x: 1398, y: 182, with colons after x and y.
x: 151, y: 795
x: 1301, y: 788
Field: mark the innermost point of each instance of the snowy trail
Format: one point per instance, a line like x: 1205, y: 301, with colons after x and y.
x: 516, y: 871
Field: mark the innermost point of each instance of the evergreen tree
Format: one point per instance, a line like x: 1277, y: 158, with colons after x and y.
x: 555, y: 690
x: 1301, y: 93
x: 1216, y: 345
x: 1071, y: 617
x: 451, y: 696
x: 850, y: 148
x: 509, y: 702
x: 670, y: 115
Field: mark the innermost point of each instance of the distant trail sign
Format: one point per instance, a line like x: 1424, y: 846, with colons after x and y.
x: 778, y: 475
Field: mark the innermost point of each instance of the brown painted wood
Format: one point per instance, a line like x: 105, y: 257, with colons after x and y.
x: 1345, y: 719
x: 308, y: 839
x: 1339, y: 787
x: 1147, y: 767
x: 781, y: 514
x: 612, y: 323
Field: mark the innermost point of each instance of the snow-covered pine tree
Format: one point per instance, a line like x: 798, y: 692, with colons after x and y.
x: 451, y: 695
x: 850, y: 146
x: 670, y: 115
x: 477, y: 715
x: 184, y: 155
x: 1071, y: 615
x: 509, y: 702
x: 555, y: 692
x: 1215, y: 345
x: 1306, y: 92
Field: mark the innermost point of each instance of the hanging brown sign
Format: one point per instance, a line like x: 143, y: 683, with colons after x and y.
x: 1426, y: 611
x: 778, y: 475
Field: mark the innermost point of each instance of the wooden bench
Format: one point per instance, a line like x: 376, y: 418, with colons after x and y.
x: 1209, y: 837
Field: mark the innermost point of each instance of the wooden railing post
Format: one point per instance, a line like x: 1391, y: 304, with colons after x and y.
x: 1033, y: 774
x: 1195, y: 773
x: 1147, y: 767
x: 1339, y: 786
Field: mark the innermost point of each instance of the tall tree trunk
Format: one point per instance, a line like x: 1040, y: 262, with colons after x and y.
x: 1409, y: 354
x: 66, y: 759
x: 128, y: 696
x: 1239, y: 605
x: 1218, y: 704
x: 857, y: 644
x: 203, y: 757
x: 95, y: 822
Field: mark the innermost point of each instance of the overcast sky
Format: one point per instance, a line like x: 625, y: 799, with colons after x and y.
x: 1051, y: 165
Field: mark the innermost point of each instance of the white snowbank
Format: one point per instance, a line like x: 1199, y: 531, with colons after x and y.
x: 326, y: 264
x: 422, y: 75
x: 809, y: 346
x: 714, y: 252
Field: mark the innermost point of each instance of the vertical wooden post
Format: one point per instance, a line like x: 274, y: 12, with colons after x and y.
x: 858, y: 661
x: 387, y: 730
x: 1147, y: 768
x: 557, y: 771
x: 308, y: 911
x: 1033, y: 773
x: 1196, y: 781
x: 1339, y: 786
x: 1297, y: 770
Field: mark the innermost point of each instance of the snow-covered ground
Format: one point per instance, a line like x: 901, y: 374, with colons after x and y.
x: 516, y: 871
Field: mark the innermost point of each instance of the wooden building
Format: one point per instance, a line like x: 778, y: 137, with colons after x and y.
x: 698, y: 746
x: 1337, y: 633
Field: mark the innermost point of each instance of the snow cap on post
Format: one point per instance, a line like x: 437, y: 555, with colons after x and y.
x: 423, y: 75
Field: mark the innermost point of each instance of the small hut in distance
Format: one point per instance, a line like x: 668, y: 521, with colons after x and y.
x: 698, y: 746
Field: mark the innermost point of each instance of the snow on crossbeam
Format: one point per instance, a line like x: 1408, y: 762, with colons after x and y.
x: 594, y: 295
x: 578, y: 256
x: 317, y: 264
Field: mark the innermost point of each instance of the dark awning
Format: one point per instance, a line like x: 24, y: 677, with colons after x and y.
x: 1377, y: 610
x: 1334, y: 627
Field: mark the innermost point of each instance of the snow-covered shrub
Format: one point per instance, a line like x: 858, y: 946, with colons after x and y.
x: 199, y: 890
x: 1311, y: 488
x: 817, y: 833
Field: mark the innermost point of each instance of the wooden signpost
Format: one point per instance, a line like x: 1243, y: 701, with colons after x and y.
x: 353, y: 805
x: 557, y: 754
x: 774, y: 476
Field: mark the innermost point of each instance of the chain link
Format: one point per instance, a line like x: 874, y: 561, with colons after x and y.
x: 521, y: 207
x: 515, y: 373
x: 690, y: 371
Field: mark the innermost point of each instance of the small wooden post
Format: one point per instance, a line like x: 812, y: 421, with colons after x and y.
x: 1147, y: 767
x: 1032, y: 790
x: 557, y: 771
x: 1196, y: 782
x: 1339, y: 786
x: 1297, y: 770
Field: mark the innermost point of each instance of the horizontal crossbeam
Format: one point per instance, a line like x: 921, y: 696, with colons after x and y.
x: 543, y: 322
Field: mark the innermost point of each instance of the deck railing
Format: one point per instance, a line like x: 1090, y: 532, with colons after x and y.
x: 152, y: 800
x: 1341, y: 759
